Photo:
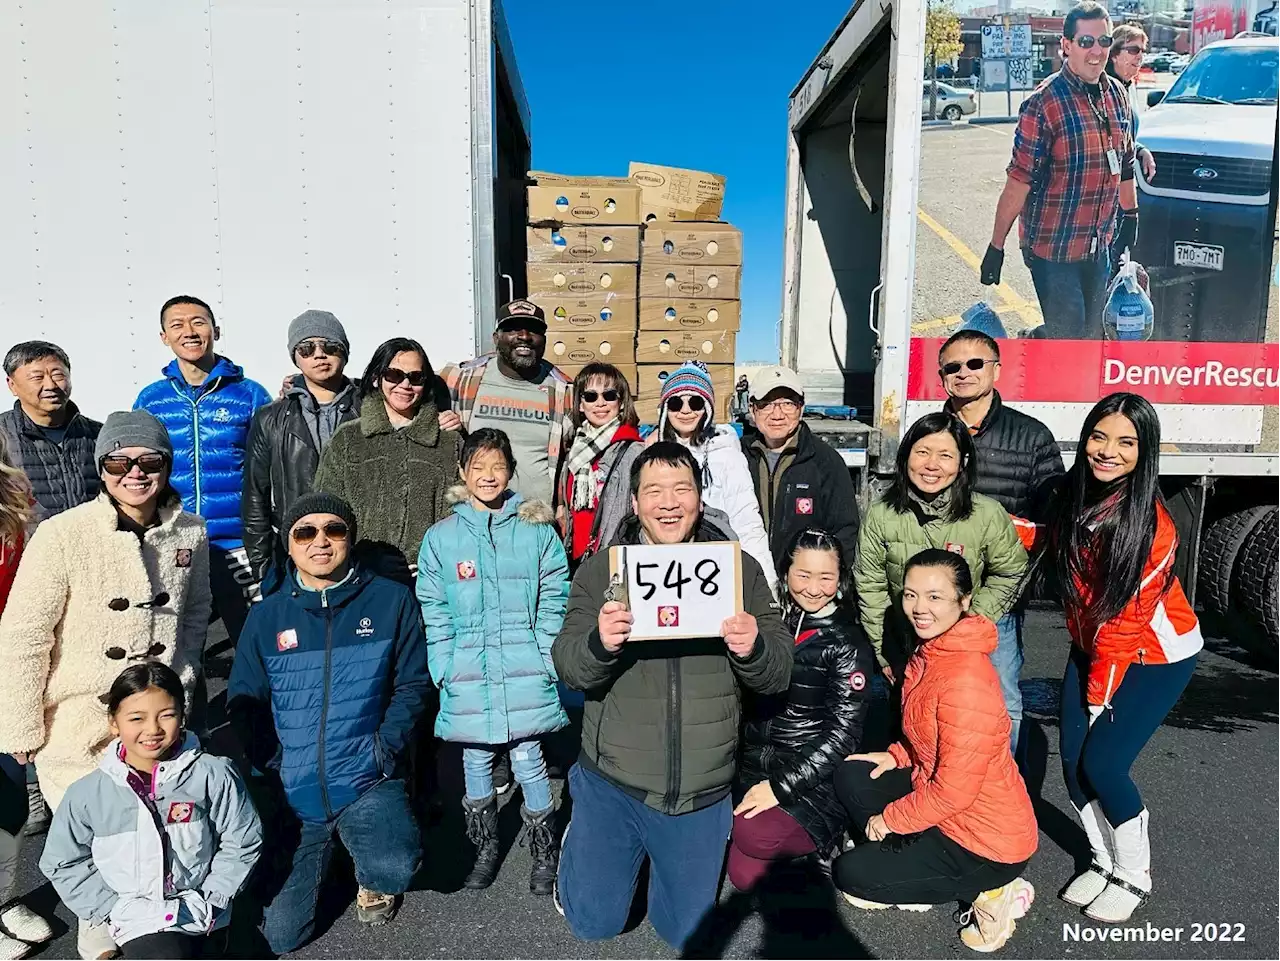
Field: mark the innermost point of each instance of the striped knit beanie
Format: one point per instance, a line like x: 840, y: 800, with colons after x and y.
x: 689, y: 378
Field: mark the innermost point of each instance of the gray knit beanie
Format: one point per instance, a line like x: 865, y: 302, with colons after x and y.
x: 131, y: 428
x: 317, y: 323
x: 318, y: 502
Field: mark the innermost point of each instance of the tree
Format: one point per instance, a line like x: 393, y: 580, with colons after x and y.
x: 941, y: 42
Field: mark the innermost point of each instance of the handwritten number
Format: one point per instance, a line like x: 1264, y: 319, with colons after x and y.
x: 707, y: 581
x: 676, y: 568
x: 650, y: 586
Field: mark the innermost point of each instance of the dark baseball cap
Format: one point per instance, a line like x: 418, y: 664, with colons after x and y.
x: 521, y: 313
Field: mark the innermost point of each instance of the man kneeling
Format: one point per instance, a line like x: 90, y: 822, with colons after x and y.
x: 329, y: 681
x: 660, y: 728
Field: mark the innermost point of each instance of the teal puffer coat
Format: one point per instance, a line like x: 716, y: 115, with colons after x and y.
x: 493, y: 588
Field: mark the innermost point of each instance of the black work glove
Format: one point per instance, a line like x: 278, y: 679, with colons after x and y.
x: 1127, y: 237
x: 991, y: 264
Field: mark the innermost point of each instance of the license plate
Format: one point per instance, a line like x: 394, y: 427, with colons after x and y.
x: 1204, y: 256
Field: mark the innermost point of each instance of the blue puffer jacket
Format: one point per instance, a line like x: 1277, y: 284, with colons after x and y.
x: 327, y: 687
x: 208, y: 426
x: 493, y: 588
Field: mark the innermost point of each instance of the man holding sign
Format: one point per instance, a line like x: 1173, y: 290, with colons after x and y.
x: 660, y: 728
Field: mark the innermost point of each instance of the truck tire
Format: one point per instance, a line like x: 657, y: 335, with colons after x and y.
x: 1254, y: 594
x: 1219, y: 550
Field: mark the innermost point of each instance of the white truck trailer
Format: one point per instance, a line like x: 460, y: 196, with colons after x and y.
x: 853, y: 175
x: 363, y: 158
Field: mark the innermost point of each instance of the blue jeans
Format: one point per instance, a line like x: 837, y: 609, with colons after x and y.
x: 1070, y: 295
x: 381, y: 835
x: 609, y: 835
x: 527, y: 765
x: 1007, y: 660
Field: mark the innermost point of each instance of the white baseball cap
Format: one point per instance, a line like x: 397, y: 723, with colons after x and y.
x: 767, y: 379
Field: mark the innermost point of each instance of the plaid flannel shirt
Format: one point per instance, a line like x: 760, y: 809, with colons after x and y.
x: 463, y: 383
x: 1060, y: 150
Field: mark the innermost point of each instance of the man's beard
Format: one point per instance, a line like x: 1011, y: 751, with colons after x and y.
x: 514, y: 360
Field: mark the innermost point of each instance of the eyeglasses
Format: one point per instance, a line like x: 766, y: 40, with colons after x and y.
x: 393, y: 375
x: 123, y: 603
x: 329, y: 347
x: 1085, y: 42
x: 591, y: 396
x: 306, y: 533
x: 1133, y: 50
x: 779, y: 406
x: 973, y: 363
x: 694, y: 401
x: 117, y: 465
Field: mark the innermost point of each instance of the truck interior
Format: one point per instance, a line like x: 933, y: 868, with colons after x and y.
x: 510, y: 162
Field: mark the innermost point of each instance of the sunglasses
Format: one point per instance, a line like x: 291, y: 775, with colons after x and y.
x: 1133, y: 50
x: 330, y: 348
x: 117, y: 465
x: 393, y: 375
x: 591, y: 396
x: 973, y: 363
x: 306, y: 533
x: 1085, y: 42
x: 692, y: 402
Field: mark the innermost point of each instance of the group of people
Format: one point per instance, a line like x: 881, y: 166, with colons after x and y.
x: 412, y: 549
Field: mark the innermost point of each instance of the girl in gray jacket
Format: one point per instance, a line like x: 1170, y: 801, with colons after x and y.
x: 158, y: 840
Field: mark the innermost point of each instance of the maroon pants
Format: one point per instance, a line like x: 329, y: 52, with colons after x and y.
x: 772, y: 836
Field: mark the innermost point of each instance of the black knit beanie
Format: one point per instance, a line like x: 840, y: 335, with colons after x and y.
x: 318, y: 502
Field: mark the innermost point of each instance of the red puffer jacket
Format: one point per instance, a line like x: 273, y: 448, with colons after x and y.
x: 956, y: 729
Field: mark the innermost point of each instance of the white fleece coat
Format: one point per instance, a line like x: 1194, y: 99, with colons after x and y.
x: 57, y: 628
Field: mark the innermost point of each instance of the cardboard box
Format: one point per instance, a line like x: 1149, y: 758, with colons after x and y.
x: 574, y: 243
x: 627, y: 370
x: 568, y: 203
x: 611, y: 311
x: 546, y: 177
x: 672, y: 193
x: 653, y: 376
x: 576, y: 348
x: 648, y: 408
x: 703, y: 244
x: 677, y: 346
x: 582, y: 279
x: 688, y: 282
x: 690, y: 314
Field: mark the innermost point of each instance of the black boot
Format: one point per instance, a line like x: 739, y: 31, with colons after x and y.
x: 482, y: 831
x: 540, y: 830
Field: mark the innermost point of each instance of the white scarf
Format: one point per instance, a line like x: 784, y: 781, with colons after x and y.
x: 588, y: 444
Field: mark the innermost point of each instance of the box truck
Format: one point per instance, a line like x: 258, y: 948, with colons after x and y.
x: 363, y: 158
x: 850, y: 274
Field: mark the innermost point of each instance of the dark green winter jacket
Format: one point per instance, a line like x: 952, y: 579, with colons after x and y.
x: 661, y: 719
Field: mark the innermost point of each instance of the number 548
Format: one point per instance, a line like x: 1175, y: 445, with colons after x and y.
x: 706, y: 571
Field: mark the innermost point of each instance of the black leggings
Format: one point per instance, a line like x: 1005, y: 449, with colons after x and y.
x: 924, y: 868
x: 164, y: 944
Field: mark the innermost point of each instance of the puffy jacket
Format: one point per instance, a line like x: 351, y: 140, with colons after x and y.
x: 956, y: 742
x: 327, y: 687
x: 397, y: 481
x: 726, y: 486
x: 171, y: 861
x: 796, y: 739
x: 613, y: 501
x: 63, y: 475
x: 986, y: 539
x: 208, y: 426
x: 493, y: 587
x: 1019, y: 462
x: 661, y: 717
x: 280, y: 465
x: 809, y: 487
x: 1157, y: 626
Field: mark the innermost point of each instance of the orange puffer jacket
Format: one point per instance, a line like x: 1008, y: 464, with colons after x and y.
x: 956, y: 732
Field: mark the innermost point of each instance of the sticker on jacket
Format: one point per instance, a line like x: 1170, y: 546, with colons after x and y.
x: 466, y: 570
x: 183, y: 557
x: 955, y: 548
x: 804, y: 505
x: 366, y: 627
x: 857, y: 680
x: 180, y: 812
x: 287, y: 640
x: 669, y: 616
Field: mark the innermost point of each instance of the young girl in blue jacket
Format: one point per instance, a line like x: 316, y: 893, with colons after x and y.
x: 493, y: 581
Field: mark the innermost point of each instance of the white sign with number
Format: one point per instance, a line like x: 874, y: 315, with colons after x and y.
x: 677, y: 590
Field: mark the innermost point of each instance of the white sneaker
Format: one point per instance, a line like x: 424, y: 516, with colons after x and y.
x: 93, y: 942
x: 11, y: 948
x: 25, y: 925
x: 866, y: 905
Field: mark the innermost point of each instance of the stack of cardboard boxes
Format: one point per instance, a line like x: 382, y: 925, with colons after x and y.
x: 638, y: 273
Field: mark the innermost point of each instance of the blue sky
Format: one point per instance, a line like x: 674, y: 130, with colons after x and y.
x: 698, y: 84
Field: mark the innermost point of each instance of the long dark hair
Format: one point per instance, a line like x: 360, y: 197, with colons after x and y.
x: 371, y: 379
x: 142, y: 677
x: 817, y: 539
x: 899, y: 494
x: 1100, y: 534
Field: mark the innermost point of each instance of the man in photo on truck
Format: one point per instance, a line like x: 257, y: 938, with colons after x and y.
x: 288, y: 435
x: 207, y: 404
x: 800, y: 480
x: 1018, y: 464
x: 1070, y: 174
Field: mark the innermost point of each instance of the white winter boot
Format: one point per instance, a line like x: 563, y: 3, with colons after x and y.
x: 1087, y: 886
x: 1130, y: 882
